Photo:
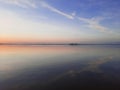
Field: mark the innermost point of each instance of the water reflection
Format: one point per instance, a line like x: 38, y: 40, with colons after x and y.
x: 59, y: 67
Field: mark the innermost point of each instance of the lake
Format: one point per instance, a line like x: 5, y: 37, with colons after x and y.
x: 59, y: 67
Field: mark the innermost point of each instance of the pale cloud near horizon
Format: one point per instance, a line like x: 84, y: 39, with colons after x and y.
x: 12, y: 25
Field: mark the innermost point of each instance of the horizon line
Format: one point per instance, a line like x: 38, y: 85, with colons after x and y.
x: 58, y: 44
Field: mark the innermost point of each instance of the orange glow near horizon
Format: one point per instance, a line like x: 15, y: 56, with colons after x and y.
x: 39, y: 40
x: 42, y: 48
x: 36, y: 40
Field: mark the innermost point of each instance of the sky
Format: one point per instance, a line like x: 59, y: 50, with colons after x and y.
x: 60, y: 21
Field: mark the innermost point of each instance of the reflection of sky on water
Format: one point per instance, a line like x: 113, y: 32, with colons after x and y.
x: 33, y: 66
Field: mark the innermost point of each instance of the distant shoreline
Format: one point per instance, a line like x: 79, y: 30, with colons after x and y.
x: 70, y: 44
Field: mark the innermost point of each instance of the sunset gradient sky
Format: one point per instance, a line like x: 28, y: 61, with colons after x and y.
x: 56, y: 21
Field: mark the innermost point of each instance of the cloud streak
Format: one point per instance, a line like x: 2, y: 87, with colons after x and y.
x: 94, y: 23
x: 21, y: 3
x: 45, y: 5
x: 32, y: 4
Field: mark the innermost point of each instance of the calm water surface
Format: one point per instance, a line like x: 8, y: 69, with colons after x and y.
x: 60, y: 67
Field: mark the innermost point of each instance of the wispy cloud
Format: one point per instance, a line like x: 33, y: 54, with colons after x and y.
x: 32, y: 4
x: 21, y: 3
x: 94, y: 23
x: 51, y: 8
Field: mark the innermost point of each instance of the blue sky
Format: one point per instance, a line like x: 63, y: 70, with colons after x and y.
x: 85, y: 21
